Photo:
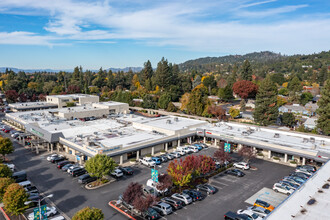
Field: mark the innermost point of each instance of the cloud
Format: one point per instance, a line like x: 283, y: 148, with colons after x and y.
x: 195, y: 26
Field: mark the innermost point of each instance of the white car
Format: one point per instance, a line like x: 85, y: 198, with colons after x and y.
x: 153, y: 185
x: 242, y: 165
x: 50, y: 157
x: 182, y: 197
x: 51, y: 211
x: 194, y: 149
x: 11, y: 166
x: 181, y: 152
x: 71, y: 168
x: 278, y: 187
x: 175, y: 154
x: 117, y: 173
x: 262, y: 212
x: 249, y: 213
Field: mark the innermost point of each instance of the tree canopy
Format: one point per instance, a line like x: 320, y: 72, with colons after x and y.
x: 100, y: 165
x: 88, y: 213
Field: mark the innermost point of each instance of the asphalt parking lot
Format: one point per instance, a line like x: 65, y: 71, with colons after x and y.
x: 70, y: 197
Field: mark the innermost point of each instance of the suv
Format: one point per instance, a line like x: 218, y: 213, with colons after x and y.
x: 63, y: 163
x: 235, y: 172
x: 206, y: 188
x: 242, y: 165
x: 263, y: 204
x: 117, y: 173
x: 278, y: 187
x: 157, y: 160
x: 176, y: 204
x: 234, y: 216
x: 150, y: 214
x: 182, y: 197
x: 86, y: 178
x: 249, y: 213
x: 163, y: 208
x: 195, y: 195
x: 78, y: 171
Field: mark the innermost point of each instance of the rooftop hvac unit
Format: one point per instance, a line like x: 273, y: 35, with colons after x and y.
x: 305, y: 140
x: 168, y: 121
x: 95, y: 132
x: 276, y: 135
x: 176, y: 119
x: 312, y: 140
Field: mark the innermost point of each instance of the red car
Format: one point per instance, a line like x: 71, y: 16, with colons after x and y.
x: 7, y: 130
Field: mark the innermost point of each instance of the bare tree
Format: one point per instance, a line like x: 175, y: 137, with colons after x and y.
x: 221, y: 155
x: 217, y: 111
x: 133, y: 191
x: 142, y: 203
x: 247, y: 153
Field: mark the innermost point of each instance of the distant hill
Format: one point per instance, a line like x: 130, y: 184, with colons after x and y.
x: 197, y: 64
x: 16, y: 70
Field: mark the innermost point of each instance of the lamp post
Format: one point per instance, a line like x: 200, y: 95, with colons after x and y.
x: 39, y: 201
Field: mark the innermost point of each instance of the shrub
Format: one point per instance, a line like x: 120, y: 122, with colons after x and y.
x: 276, y: 158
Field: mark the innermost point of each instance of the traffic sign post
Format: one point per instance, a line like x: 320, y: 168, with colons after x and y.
x: 44, y: 212
x: 40, y: 213
x: 227, y: 147
x: 154, y: 175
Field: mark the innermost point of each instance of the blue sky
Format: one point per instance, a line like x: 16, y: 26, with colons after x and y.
x: 62, y: 34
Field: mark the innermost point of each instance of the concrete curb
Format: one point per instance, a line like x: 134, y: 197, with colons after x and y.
x: 96, y: 187
x: 113, y: 205
x: 4, y: 214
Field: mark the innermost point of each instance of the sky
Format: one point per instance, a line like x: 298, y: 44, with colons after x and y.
x: 62, y: 34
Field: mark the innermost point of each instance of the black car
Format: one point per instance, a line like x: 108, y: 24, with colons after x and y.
x: 175, y: 204
x: 78, y: 171
x: 126, y: 170
x: 31, y: 189
x: 195, y: 195
x: 86, y: 178
x: 150, y: 214
x: 235, y: 172
x: 63, y: 163
x: 234, y: 216
x: 206, y: 188
x: 57, y: 159
x: 163, y: 158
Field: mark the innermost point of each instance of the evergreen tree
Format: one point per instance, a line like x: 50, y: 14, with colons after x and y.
x: 163, y: 75
x: 323, y: 122
x: 147, y: 71
x: 242, y: 105
x: 266, y: 110
x: 246, y: 72
x: 295, y: 88
x: 196, y: 102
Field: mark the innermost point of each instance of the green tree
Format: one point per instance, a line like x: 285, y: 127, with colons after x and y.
x: 246, y: 72
x: 288, y: 119
x: 171, y: 107
x: 295, y: 88
x: 164, y: 100
x: 266, y: 110
x: 196, y: 102
x: 163, y: 75
x: 4, y: 183
x: 283, y: 91
x: 5, y: 171
x: 234, y: 112
x: 14, y: 199
x: 48, y: 87
x: 6, y: 147
x: 149, y: 101
x: 278, y: 78
x: 226, y: 93
x: 323, y: 122
x: 210, y: 83
x: 100, y: 165
x: 147, y: 72
x: 305, y: 98
x: 88, y: 213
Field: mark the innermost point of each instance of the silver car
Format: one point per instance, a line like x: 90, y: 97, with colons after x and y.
x: 182, y: 197
x: 163, y: 208
x: 262, y: 212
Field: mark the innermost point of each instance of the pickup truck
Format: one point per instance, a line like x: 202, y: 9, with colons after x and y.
x: 147, y: 161
x: 234, y: 216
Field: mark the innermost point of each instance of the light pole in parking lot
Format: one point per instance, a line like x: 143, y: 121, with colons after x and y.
x: 39, y: 201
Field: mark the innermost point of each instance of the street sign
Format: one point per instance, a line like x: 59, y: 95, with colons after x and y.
x: 227, y: 147
x: 36, y: 212
x: 154, y: 175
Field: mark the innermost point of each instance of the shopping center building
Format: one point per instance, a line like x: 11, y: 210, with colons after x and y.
x: 109, y: 128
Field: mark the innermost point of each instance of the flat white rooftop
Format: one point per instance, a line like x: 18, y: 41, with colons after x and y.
x: 30, y: 104
x: 311, y: 201
x: 72, y: 95
x: 268, y: 136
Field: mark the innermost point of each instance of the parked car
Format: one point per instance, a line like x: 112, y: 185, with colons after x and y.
x: 307, y: 167
x: 262, y: 212
x: 31, y: 189
x: 73, y: 166
x: 86, y: 178
x: 203, y: 145
x: 57, y: 159
x: 50, y: 211
x: 147, y: 161
x: 182, y: 197
x: 234, y: 216
x: 176, y: 204
x: 50, y: 157
x: 181, y: 152
x: 169, y: 156
x: 249, y: 213
x: 278, y: 187
x: 175, y: 154
x: 194, y: 148
x: 63, y: 163
x: 148, y: 190
x: 77, y: 171
x: 162, y: 208
x: 263, y: 204
x: 126, y: 170
x: 235, y: 172
x: 117, y: 173
x: 163, y: 158
x: 206, y: 188
x: 199, y: 146
x: 290, y: 180
x: 19, y: 176
x: 150, y: 214
x: 188, y: 150
x: 10, y: 166
x: 301, y: 175
x: 307, y: 172
x: 242, y: 165
x: 290, y: 185
x: 157, y: 160
x: 66, y: 167
x: 298, y: 179
x: 195, y: 195
x: 153, y: 184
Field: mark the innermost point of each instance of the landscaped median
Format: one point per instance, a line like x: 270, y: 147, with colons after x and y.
x: 123, y: 210
x: 100, y: 183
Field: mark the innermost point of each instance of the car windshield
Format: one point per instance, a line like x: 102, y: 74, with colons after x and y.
x: 152, y: 212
